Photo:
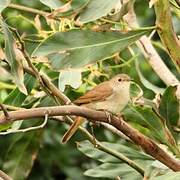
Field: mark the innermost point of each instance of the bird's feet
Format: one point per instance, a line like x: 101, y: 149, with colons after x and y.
x: 108, y: 115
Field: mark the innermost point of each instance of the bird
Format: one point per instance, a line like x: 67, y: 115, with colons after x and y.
x: 110, y: 96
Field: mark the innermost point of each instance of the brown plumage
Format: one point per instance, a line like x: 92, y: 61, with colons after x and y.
x: 112, y: 95
x: 98, y: 93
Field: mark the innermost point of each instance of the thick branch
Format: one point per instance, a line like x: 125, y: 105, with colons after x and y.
x: 146, y: 144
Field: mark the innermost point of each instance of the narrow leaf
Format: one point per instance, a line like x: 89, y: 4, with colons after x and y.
x: 169, y: 106
x: 14, y: 62
x: 69, y: 8
x: 145, y: 117
x: 89, y: 150
x: 107, y: 170
x: 21, y: 155
x: 16, y: 97
x: 97, y: 9
x: 147, y: 83
x: 55, y: 4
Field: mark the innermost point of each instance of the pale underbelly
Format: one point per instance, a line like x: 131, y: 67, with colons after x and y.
x: 114, y: 106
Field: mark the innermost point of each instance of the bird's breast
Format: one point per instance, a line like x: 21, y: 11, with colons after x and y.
x: 114, y: 103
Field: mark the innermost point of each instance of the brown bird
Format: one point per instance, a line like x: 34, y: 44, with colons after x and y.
x: 111, y: 96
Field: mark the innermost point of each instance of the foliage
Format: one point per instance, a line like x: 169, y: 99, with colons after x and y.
x: 78, y: 44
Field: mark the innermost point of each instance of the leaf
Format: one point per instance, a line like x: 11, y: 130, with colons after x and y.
x: 169, y: 106
x: 156, y: 168
x: 77, y: 48
x: 4, y: 127
x: 168, y: 176
x: 145, y: 117
x: 15, y: 126
x: 11, y: 56
x: 112, y: 171
x: 145, y: 82
x: 21, y: 155
x: 4, y: 4
x: 89, y: 150
x: 69, y: 8
x: 69, y: 77
x: 135, y: 90
x: 16, y: 98
x: 97, y: 9
x: 55, y: 4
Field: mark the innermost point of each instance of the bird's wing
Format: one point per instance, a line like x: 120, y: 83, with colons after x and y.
x: 99, y: 93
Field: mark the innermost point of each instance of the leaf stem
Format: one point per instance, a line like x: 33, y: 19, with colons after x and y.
x: 28, y: 9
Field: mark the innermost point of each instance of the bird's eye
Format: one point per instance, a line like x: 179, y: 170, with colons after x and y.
x: 119, y: 79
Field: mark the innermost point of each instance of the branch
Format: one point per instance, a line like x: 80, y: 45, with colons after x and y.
x: 27, y: 9
x: 4, y: 176
x: 51, y: 87
x: 150, y: 53
x: 146, y: 144
x: 166, y: 31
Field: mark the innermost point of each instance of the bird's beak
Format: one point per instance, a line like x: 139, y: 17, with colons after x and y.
x: 129, y: 79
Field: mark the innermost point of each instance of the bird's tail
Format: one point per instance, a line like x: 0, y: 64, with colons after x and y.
x: 73, y: 128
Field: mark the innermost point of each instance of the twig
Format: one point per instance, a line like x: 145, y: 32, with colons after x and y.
x: 32, y: 68
x: 27, y: 9
x: 3, y: 108
x: 52, y: 88
x: 27, y: 129
x: 114, y: 130
x: 146, y: 144
x: 4, y: 176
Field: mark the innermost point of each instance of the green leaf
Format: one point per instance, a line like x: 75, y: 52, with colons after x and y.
x: 21, y: 155
x: 70, y: 77
x: 4, y: 4
x: 15, y: 126
x: 168, y: 176
x: 14, y: 62
x: 97, y: 9
x: 135, y: 90
x: 108, y: 170
x: 77, y: 48
x: 145, y: 117
x: 169, y: 106
x: 75, y: 7
x: 4, y: 127
x: 16, y: 97
x: 89, y: 150
x: 55, y: 4
x: 147, y: 83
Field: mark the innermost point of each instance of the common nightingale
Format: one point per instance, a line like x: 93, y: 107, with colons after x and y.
x: 111, y: 96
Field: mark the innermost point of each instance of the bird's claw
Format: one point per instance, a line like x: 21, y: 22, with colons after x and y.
x: 108, y: 115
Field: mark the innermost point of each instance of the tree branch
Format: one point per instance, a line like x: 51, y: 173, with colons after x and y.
x: 28, y: 9
x: 146, y: 144
x: 150, y: 53
x: 4, y: 176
